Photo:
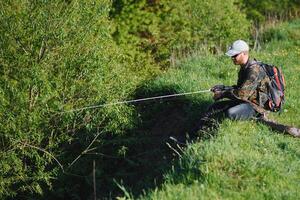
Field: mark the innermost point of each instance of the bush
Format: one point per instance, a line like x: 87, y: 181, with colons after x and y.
x: 285, y: 31
x: 217, y: 23
x: 56, y: 56
x: 260, y: 11
x: 162, y: 28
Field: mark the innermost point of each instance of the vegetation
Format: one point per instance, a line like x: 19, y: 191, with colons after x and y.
x: 166, y: 28
x: 57, y: 58
x: 245, y: 160
x: 261, y: 11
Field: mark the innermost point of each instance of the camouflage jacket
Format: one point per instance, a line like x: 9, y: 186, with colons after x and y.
x: 252, y: 86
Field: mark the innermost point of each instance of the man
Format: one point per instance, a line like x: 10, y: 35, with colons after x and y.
x: 248, y: 98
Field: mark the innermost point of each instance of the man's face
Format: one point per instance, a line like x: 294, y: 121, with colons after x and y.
x: 239, y: 59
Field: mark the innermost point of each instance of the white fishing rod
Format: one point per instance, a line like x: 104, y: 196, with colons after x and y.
x: 136, y: 100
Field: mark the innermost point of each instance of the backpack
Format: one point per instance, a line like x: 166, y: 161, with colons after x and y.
x: 276, y: 86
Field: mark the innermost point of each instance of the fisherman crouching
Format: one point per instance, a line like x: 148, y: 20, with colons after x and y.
x: 248, y: 98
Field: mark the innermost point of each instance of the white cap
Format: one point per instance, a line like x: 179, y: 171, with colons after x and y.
x: 237, y: 47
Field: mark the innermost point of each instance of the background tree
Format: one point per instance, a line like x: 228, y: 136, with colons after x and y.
x: 160, y: 27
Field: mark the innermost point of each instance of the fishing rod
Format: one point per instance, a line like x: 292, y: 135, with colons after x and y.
x: 136, y: 100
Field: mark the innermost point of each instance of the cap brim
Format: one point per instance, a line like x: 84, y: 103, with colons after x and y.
x: 232, y: 53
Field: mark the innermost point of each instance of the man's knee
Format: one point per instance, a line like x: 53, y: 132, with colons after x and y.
x: 240, y: 112
x: 232, y: 114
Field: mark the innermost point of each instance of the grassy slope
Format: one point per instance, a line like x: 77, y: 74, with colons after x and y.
x: 245, y: 160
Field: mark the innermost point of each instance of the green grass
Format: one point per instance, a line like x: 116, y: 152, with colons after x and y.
x: 245, y: 159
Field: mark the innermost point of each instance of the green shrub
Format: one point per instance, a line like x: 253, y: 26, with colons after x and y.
x: 56, y: 56
x: 163, y: 28
x: 285, y: 31
x: 217, y: 23
x: 260, y: 11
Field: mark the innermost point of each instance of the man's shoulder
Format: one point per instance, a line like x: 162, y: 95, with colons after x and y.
x: 256, y: 70
x: 255, y: 65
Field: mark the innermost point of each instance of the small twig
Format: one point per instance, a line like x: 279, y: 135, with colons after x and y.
x: 104, y: 155
x: 42, y: 51
x: 22, y: 46
x: 179, y: 148
x: 74, y: 126
x: 76, y: 159
x: 27, y: 49
x: 33, y: 96
x: 46, y: 152
x: 173, y: 149
x: 175, y: 140
x: 94, y: 179
x: 122, y: 187
x: 92, y: 149
x: 86, y: 150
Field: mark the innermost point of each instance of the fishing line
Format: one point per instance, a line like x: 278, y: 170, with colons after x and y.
x: 136, y: 100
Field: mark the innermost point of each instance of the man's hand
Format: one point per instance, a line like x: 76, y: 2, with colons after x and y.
x: 217, y: 88
x: 220, y: 91
x: 218, y: 94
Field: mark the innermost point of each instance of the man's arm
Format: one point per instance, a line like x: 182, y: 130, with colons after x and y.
x: 244, y: 92
x: 248, y: 87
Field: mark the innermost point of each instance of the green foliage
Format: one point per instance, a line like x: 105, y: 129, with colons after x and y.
x: 162, y: 28
x: 217, y: 23
x: 285, y: 32
x: 56, y: 56
x: 259, y: 11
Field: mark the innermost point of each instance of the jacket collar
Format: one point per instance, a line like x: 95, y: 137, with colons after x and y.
x: 248, y: 64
